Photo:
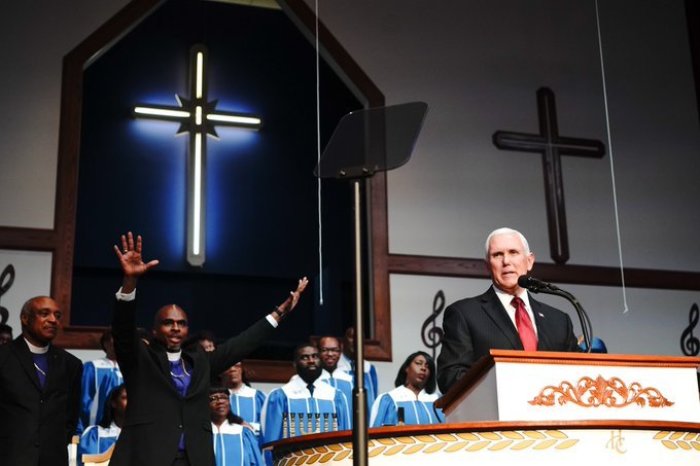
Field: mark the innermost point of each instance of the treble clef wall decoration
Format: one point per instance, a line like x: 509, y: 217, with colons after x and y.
x: 690, y: 344
x: 430, y: 332
x: 7, y: 278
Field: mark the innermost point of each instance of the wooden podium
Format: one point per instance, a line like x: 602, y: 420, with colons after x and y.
x: 541, y: 408
x: 541, y: 385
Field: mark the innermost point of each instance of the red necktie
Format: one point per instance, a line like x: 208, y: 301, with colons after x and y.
x: 524, y: 324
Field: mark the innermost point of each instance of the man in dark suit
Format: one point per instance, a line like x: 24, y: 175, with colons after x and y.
x: 167, y: 418
x: 39, y: 390
x: 504, y: 317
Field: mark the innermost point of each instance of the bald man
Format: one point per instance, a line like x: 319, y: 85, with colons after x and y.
x: 167, y: 418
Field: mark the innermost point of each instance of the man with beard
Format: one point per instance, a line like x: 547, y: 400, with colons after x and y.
x: 39, y: 390
x: 305, y: 404
x: 167, y: 418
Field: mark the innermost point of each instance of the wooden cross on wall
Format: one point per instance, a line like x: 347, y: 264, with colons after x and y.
x: 552, y: 147
x: 197, y: 116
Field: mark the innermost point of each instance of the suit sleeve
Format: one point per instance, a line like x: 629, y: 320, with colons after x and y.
x: 73, y: 407
x: 236, y: 348
x: 571, y: 340
x: 457, y: 353
x: 126, y: 340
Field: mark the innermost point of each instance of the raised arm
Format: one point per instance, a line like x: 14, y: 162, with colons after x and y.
x: 291, y: 302
x: 131, y: 261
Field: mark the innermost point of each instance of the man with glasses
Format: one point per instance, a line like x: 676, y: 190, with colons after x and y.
x: 329, y: 349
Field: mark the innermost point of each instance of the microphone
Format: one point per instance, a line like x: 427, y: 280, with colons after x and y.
x: 535, y: 285
x: 538, y: 286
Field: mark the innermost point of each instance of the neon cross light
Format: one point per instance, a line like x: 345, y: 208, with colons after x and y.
x: 197, y: 116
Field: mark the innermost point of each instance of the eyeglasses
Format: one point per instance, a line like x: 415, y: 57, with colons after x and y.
x: 219, y: 397
x: 329, y: 350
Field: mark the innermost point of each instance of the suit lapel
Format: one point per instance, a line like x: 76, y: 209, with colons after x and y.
x: 191, y: 357
x: 26, y: 360
x: 54, y: 361
x: 494, y: 310
x: 543, y: 338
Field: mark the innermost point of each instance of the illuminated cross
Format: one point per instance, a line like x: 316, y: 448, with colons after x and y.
x: 551, y: 146
x: 198, y: 117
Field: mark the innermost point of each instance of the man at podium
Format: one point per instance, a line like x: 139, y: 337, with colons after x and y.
x: 504, y: 317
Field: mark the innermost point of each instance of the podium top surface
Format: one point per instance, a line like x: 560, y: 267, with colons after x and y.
x: 596, y: 359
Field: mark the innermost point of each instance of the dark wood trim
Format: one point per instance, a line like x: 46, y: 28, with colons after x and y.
x: 574, y: 274
x: 268, y: 371
x: 28, y: 239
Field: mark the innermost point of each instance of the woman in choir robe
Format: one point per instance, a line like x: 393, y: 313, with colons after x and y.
x: 234, y: 441
x: 246, y: 402
x: 98, y: 438
x: 411, y: 402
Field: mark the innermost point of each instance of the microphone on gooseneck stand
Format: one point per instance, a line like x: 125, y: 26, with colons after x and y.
x: 538, y: 286
x: 535, y: 285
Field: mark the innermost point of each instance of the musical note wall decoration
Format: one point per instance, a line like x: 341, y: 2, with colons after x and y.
x: 690, y: 344
x: 7, y: 278
x: 431, y: 334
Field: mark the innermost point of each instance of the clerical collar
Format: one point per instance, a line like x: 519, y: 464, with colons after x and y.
x: 37, y: 349
x: 174, y: 356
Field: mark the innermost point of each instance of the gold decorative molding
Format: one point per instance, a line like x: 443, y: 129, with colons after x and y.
x: 429, y: 444
x: 679, y: 440
x: 592, y: 393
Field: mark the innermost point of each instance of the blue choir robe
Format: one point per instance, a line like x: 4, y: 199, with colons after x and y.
x: 97, y: 439
x: 291, y: 411
x: 342, y: 381
x: 235, y: 445
x: 247, y: 403
x: 100, y: 377
x: 418, y: 410
x: 345, y: 364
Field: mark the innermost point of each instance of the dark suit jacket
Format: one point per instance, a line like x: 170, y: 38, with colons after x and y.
x: 156, y: 414
x: 37, y: 424
x: 473, y: 326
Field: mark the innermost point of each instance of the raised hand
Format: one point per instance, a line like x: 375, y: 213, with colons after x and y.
x: 291, y: 301
x: 131, y: 261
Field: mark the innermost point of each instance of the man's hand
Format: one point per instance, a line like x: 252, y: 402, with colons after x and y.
x: 131, y: 261
x: 291, y: 302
